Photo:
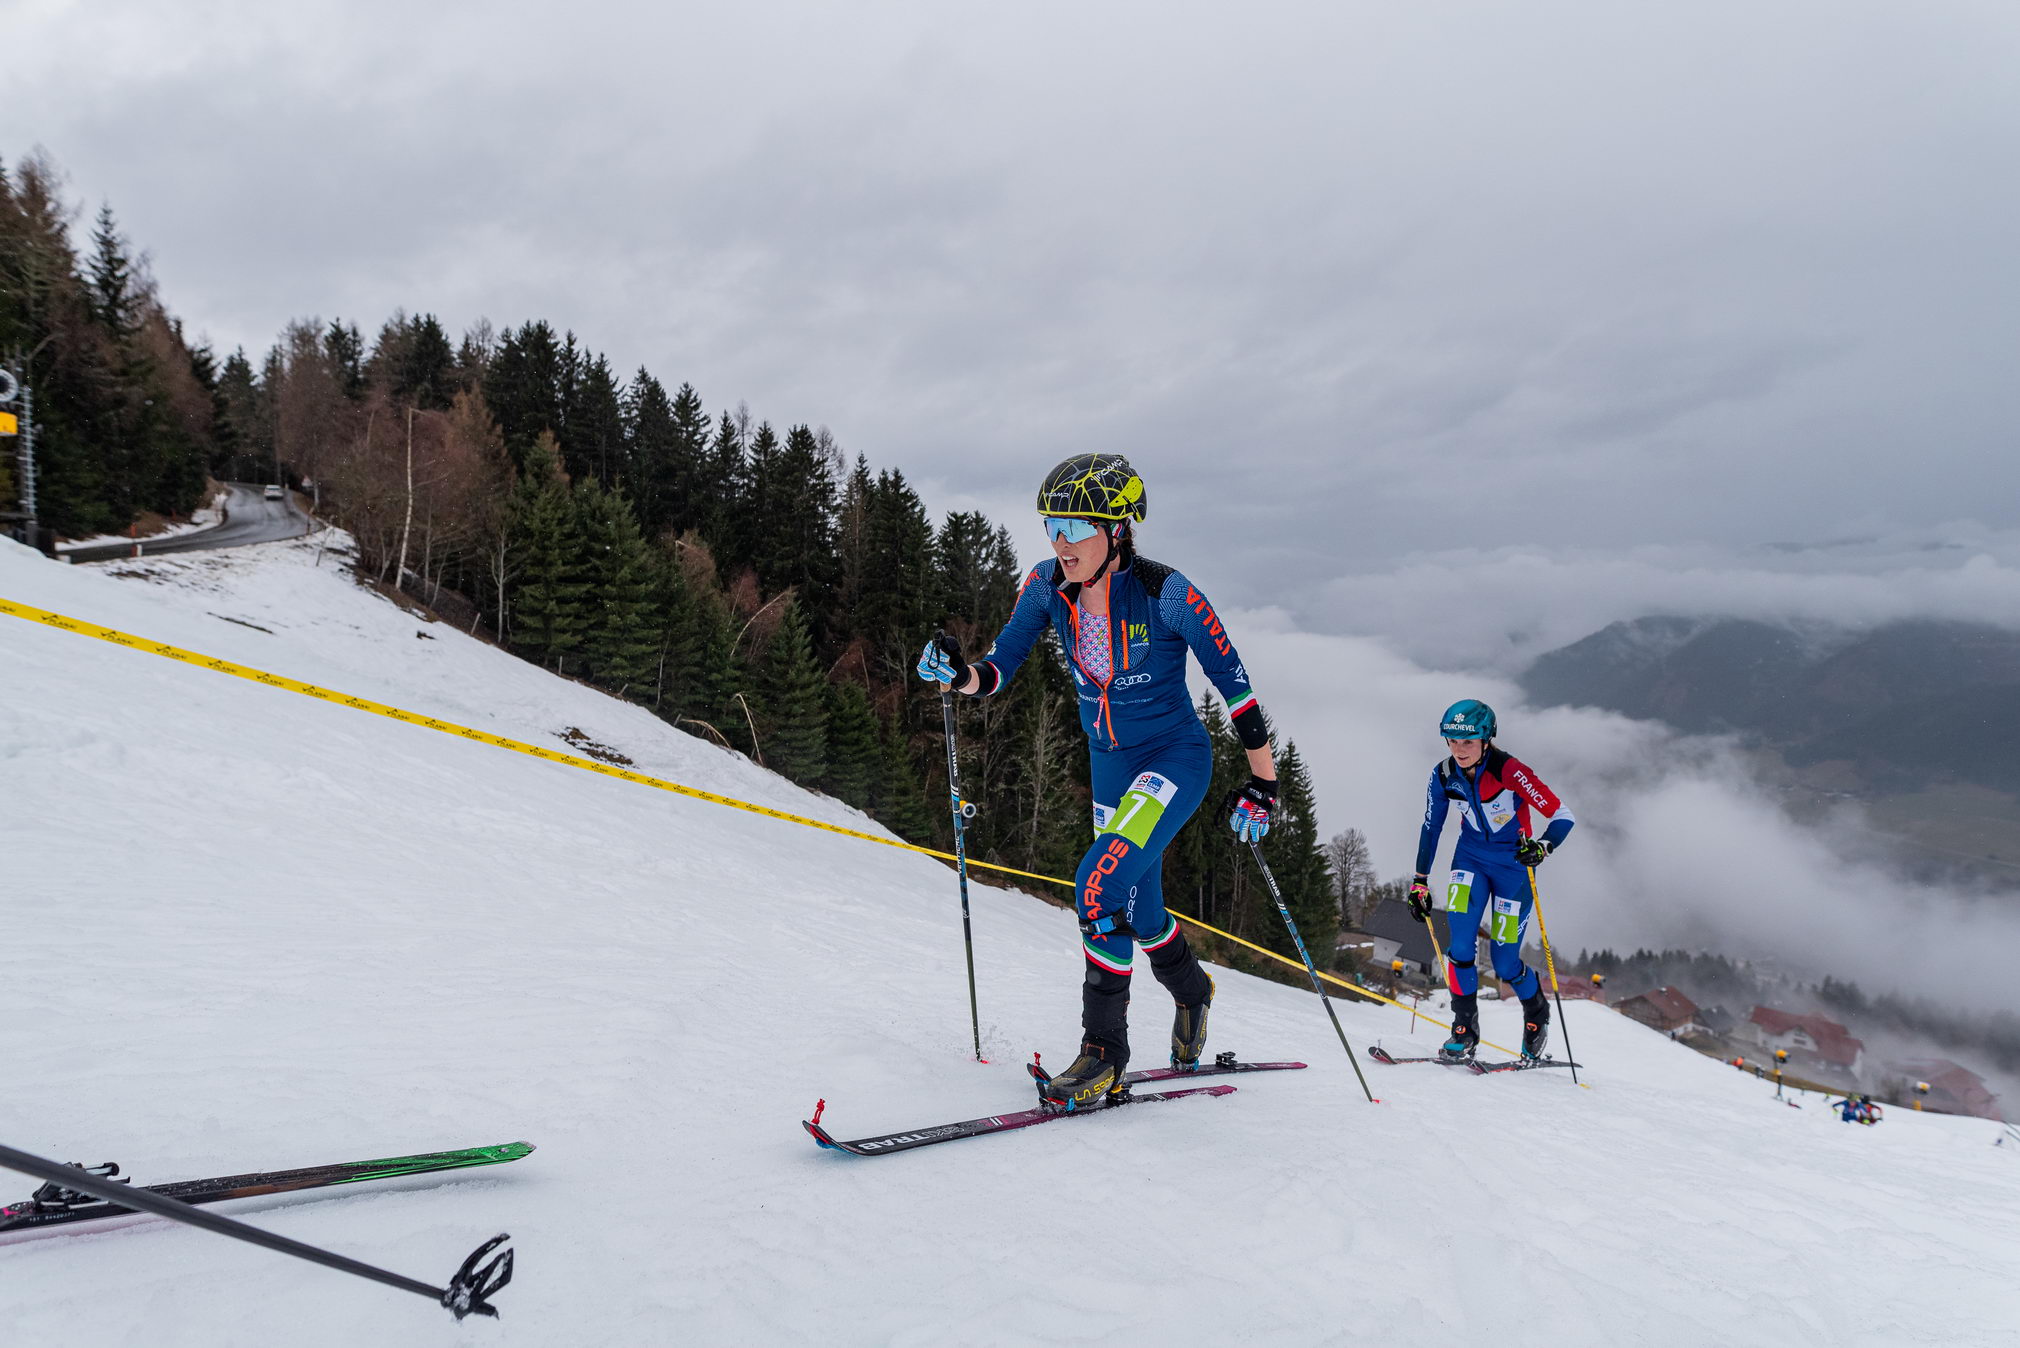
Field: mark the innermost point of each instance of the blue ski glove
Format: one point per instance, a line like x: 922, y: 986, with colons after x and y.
x: 1531, y: 851
x: 1248, y: 809
x: 941, y: 661
x: 1420, y: 899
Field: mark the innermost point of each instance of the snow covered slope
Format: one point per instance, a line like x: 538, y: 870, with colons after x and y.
x: 246, y: 929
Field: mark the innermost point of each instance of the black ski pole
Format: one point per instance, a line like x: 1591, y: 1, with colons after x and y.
x: 468, y: 1293
x: 1318, y: 986
x: 1550, y: 962
x: 963, y: 811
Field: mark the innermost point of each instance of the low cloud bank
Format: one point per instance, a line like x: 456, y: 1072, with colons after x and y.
x: 1499, y: 608
x: 1676, y: 844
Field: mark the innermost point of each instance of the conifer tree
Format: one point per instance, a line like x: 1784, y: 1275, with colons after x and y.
x: 345, y: 347
x: 854, y: 752
x: 794, y: 720
x: 852, y: 546
x: 653, y: 446
x: 755, y: 539
x: 677, y: 621
x: 414, y: 361
x: 137, y: 440
x: 567, y: 382
x: 975, y: 569
x: 621, y: 643
x: 114, y: 303
x: 548, y: 613
x: 240, y: 430
x: 72, y: 327
x: 595, y: 447
x: 897, y: 800
x: 790, y: 522
x: 725, y: 494
x: 684, y: 483
x: 522, y: 385
x: 898, y: 608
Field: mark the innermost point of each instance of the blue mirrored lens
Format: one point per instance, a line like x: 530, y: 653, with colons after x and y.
x: 1073, y: 531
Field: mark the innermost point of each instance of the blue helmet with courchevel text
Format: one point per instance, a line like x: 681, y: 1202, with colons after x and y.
x: 1467, y: 720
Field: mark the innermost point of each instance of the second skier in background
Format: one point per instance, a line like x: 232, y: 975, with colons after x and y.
x: 1497, y: 796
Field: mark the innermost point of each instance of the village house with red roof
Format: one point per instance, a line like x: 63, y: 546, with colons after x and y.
x: 1573, y: 988
x: 1665, y: 1009
x: 1952, y: 1089
x: 1814, y: 1042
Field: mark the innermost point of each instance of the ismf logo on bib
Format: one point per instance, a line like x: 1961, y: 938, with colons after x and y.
x: 1459, y: 894
x: 1500, y: 811
x: 1159, y: 788
x: 1142, y: 806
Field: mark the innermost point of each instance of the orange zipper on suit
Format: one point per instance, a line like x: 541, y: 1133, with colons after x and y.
x: 1107, y: 712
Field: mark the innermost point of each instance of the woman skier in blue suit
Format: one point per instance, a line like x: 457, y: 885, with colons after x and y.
x: 1126, y: 624
x: 1497, y: 796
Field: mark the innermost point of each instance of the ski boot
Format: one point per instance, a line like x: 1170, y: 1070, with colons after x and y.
x: 1535, y: 1026
x: 1094, y: 1080
x: 1465, y: 1038
x: 1188, y: 1032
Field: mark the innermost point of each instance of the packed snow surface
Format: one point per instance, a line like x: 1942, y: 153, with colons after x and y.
x: 245, y: 930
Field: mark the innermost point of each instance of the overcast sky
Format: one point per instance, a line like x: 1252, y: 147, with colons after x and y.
x: 1466, y: 327
x: 1350, y: 281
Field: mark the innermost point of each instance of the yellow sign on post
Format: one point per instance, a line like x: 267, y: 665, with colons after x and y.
x: 9, y: 424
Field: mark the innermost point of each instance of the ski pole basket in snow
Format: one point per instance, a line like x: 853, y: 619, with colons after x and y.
x: 468, y: 1293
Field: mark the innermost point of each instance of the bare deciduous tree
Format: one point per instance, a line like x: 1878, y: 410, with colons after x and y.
x: 315, y: 425
x: 1354, y: 876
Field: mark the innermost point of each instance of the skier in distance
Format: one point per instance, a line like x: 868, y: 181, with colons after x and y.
x: 1495, y: 793
x: 1126, y: 624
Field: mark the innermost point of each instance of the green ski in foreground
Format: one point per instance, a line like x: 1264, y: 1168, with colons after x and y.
x: 55, y: 1204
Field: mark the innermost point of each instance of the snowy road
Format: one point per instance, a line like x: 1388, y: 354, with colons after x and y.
x: 444, y: 944
x: 250, y: 518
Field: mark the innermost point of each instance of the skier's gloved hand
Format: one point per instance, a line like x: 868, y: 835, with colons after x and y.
x: 1420, y: 899
x: 941, y: 661
x: 1248, y: 810
x: 1531, y: 851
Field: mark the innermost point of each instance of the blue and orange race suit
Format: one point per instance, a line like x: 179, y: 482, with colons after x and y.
x: 1150, y: 757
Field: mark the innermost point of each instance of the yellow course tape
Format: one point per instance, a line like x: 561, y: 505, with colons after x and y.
x: 118, y: 638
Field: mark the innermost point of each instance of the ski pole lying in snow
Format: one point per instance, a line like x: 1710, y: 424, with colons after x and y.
x: 468, y: 1293
x: 1550, y: 963
x: 962, y: 811
x: 1255, y: 847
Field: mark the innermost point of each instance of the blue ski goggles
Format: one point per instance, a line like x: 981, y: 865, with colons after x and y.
x: 1072, y: 530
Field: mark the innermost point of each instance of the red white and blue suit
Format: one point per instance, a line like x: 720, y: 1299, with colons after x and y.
x: 1498, y: 801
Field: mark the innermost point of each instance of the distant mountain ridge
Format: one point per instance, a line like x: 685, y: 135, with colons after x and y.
x: 1905, y: 705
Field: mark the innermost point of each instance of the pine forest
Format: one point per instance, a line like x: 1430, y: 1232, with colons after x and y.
x: 749, y: 583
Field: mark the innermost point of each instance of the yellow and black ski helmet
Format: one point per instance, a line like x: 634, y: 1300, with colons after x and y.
x: 1094, y: 487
